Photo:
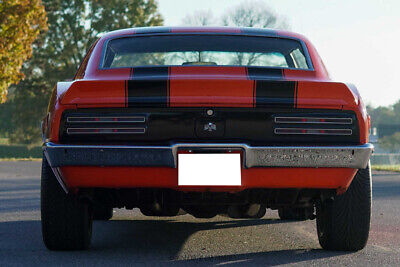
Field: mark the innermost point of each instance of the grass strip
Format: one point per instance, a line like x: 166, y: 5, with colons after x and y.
x: 392, y: 168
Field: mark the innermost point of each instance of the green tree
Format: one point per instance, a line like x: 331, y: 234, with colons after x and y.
x: 20, y: 23
x: 73, y: 26
x: 383, y: 118
x: 388, y: 115
x: 391, y: 143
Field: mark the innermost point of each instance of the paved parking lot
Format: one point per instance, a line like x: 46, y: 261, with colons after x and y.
x: 131, y: 238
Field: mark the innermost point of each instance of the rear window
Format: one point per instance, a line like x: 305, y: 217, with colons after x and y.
x: 217, y: 50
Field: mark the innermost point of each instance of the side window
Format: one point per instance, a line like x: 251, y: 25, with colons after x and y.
x: 270, y: 59
x: 299, y: 59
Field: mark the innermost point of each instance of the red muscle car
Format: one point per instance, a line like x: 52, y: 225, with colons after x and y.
x: 207, y: 121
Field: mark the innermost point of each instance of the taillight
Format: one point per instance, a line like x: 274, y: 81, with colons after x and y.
x: 138, y: 130
x: 108, y: 125
x: 312, y: 120
x: 313, y: 131
x: 313, y: 125
x: 111, y: 119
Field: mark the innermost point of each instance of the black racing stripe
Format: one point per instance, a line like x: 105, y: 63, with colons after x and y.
x: 147, y: 93
x: 148, y: 87
x: 271, y: 88
x: 150, y: 73
x: 275, y: 93
x: 257, y: 73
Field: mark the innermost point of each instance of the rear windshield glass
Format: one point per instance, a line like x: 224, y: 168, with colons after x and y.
x: 216, y: 50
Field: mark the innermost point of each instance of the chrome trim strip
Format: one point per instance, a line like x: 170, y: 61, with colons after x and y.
x: 350, y: 132
x: 350, y: 120
x: 136, y: 130
x: 139, y: 119
x: 355, y: 157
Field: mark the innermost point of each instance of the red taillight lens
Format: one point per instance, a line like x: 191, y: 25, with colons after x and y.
x: 313, y: 120
x: 313, y: 131
x: 136, y: 130
x: 132, y: 119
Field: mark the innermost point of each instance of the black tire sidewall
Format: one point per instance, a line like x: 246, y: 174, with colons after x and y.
x: 343, y: 223
x: 66, y: 222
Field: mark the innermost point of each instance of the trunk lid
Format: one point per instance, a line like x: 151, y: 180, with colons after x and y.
x: 209, y: 87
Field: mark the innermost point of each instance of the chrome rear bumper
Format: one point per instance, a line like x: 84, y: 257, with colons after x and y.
x: 355, y: 157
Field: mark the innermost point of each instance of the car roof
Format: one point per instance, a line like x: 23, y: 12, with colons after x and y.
x: 206, y: 30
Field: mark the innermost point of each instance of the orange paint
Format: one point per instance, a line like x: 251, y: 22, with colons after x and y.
x: 210, y: 86
x: 328, y: 95
x: 108, y: 92
x: 134, y: 177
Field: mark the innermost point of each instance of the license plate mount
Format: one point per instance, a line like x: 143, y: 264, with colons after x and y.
x: 209, y: 169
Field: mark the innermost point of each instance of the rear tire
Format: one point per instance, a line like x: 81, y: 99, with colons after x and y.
x: 66, y: 222
x: 343, y: 223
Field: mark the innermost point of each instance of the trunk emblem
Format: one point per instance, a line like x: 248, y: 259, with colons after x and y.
x: 210, y: 127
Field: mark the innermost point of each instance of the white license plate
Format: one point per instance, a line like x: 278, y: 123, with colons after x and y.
x: 209, y: 169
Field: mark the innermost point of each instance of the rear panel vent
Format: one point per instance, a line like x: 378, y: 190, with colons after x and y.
x: 313, y: 125
x: 109, y: 130
x: 110, y: 119
x: 105, y: 125
x: 314, y: 120
x: 313, y: 131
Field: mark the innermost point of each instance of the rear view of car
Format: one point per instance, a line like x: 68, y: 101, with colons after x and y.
x: 205, y: 121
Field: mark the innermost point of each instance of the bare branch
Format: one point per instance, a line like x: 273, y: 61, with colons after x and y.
x: 199, y: 18
x: 254, y: 14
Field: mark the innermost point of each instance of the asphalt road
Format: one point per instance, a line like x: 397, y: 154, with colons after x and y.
x: 131, y: 238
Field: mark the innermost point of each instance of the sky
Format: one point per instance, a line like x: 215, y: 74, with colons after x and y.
x: 358, y: 40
